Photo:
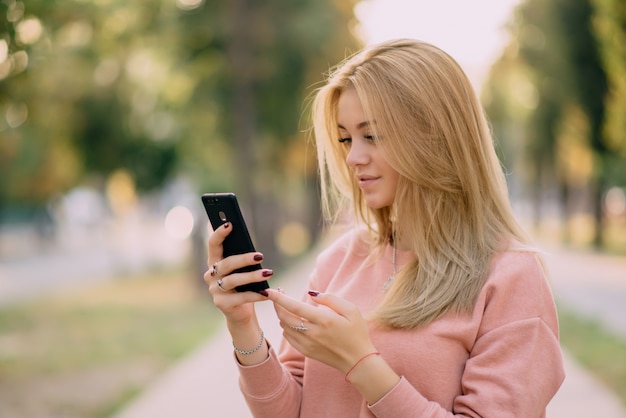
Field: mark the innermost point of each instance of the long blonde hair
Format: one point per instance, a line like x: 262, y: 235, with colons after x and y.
x: 451, y: 206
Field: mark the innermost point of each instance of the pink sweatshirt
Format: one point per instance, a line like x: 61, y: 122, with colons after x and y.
x: 502, y: 361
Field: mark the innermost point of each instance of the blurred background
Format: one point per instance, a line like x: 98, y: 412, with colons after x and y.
x: 116, y: 116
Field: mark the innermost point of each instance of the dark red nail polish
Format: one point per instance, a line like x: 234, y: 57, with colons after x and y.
x: 267, y: 273
x: 264, y: 293
x: 314, y: 293
x: 258, y: 257
x: 226, y: 225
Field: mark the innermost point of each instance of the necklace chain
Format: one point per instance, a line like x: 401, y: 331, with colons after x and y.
x: 395, y: 268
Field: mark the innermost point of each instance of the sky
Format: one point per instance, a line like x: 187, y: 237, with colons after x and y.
x: 471, y: 31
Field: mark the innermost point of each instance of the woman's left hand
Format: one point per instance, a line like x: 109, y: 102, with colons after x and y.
x: 333, y: 332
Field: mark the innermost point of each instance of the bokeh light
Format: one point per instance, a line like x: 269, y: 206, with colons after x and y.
x: 4, y: 50
x: 293, y: 239
x: 179, y: 222
x: 29, y: 31
x: 615, y: 201
x: 121, y: 192
x: 106, y: 72
x: 189, y: 4
x: 16, y: 114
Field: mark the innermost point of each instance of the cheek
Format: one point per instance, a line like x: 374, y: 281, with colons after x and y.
x: 396, y: 178
x: 393, y: 183
x: 391, y: 174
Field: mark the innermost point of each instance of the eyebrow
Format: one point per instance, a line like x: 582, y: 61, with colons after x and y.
x: 359, y: 126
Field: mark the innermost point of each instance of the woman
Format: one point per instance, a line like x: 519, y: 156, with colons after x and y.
x: 434, y: 304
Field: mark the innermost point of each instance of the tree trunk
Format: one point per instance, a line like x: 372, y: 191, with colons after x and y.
x: 243, y: 111
x: 537, y: 190
x: 566, y: 209
x: 597, y: 194
x: 259, y: 211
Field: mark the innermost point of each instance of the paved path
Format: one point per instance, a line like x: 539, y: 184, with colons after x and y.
x: 83, y: 259
x: 591, y: 284
x: 205, y: 383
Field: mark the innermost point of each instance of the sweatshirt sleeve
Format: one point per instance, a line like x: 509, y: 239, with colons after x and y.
x: 515, y: 365
x: 278, y: 380
x: 268, y: 384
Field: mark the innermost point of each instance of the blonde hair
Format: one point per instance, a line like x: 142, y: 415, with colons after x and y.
x: 451, y: 206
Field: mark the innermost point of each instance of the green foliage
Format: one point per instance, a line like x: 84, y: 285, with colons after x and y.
x: 564, y: 73
x: 596, y: 348
x: 609, y: 25
x: 271, y: 52
x: 155, y: 87
x: 587, y: 71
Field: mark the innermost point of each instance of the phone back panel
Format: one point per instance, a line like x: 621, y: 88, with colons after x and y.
x: 222, y: 208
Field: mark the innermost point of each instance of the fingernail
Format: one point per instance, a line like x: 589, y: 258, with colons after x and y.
x: 264, y: 293
x: 267, y: 273
x: 258, y: 257
x: 314, y: 293
x: 226, y: 225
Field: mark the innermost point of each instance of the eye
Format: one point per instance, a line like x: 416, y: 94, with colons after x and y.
x: 370, y: 138
x: 345, y: 140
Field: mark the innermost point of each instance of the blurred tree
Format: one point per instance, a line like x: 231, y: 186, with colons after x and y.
x: 609, y: 24
x: 212, y: 90
x: 209, y: 90
x: 590, y: 90
x: 255, y: 63
x: 534, y: 82
x: 70, y: 108
x: 23, y: 160
x: 566, y: 60
x: 509, y: 97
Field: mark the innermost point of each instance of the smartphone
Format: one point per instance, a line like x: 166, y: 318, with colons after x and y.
x: 222, y: 208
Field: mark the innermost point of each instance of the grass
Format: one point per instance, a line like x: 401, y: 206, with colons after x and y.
x: 596, y: 348
x: 88, y: 352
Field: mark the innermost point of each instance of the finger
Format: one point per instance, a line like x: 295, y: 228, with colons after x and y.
x: 216, y: 238
x: 237, y: 261
x: 231, y: 281
x: 207, y: 277
x: 226, y: 301
x: 295, y: 307
x: 341, y: 306
x: 286, y: 318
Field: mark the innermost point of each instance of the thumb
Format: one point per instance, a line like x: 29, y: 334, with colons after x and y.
x: 341, y: 306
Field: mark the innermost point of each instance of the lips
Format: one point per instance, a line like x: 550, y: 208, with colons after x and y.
x: 366, y: 180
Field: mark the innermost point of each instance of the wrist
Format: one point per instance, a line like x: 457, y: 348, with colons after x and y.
x: 372, y: 376
x: 358, y: 362
x: 249, y: 343
x: 245, y: 324
x: 247, y: 352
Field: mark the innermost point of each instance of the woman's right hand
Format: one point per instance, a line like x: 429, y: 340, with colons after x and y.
x: 237, y: 307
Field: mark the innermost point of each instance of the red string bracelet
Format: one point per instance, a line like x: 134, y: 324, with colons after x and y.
x: 375, y: 353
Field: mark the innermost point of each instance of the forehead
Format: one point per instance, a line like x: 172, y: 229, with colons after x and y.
x: 350, y: 113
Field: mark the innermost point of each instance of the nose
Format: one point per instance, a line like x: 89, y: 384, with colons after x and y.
x: 358, y: 153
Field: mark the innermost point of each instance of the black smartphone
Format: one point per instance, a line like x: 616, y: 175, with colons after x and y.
x: 222, y: 208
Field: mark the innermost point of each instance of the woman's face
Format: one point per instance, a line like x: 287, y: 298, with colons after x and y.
x: 376, y: 178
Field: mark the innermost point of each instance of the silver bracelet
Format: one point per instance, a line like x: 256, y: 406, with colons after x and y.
x: 254, y: 350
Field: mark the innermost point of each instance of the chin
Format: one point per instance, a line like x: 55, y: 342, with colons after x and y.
x: 377, y: 203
